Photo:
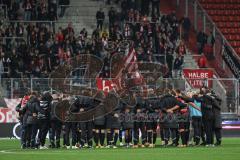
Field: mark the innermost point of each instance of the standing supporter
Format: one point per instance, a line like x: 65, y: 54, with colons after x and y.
x: 100, y: 16
x: 186, y: 24
x: 156, y: 6
x: 63, y: 4
x: 201, y: 41
x: 181, y: 49
x: 145, y: 7
x: 27, y: 5
x: 112, y: 17
x: 202, y: 62
x: 177, y: 66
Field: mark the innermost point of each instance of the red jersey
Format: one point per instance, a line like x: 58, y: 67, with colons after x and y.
x: 24, y: 101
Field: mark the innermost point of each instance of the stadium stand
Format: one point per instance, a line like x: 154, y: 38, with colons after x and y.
x: 225, y: 13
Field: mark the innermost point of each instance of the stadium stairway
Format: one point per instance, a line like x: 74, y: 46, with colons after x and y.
x: 170, y: 6
x: 189, y: 61
x: 82, y: 14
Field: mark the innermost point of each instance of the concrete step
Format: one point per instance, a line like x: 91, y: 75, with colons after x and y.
x: 82, y: 14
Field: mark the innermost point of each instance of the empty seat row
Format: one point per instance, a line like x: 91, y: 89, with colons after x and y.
x: 228, y: 24
x: 230, y: 30
x: 221, y: 6
x: 219, y: 1
x: 226, y: 18
x: 233, y: 37
x: 235, y: 43
x: 224, y: 12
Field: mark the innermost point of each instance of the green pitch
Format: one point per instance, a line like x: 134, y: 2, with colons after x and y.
x: 230, y: 150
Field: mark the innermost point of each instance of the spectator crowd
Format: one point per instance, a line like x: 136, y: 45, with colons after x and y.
x: 36, y: 49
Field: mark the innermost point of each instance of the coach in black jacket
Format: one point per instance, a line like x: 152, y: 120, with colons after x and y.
x: 217, y: 118
x: 207, y: 115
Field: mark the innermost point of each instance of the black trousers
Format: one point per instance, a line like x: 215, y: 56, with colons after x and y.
x: 151, y: 136
x: 139, y: 126
x: 30, y: 133
x: 25, y: 139
x: 100, y: 24
x: 86, y: 132
x: 197, y: 128
x: 170, y: 131
x: 70, y: 127
x: 218, y: 134
x: 209, y: 126
x: 55, y: 135
x: 43, y: 130
x: 128, y: 136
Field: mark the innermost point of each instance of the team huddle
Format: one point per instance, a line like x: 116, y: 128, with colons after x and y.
x: 179, y: 119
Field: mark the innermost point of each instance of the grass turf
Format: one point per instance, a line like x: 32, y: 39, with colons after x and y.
x: 230, y: 150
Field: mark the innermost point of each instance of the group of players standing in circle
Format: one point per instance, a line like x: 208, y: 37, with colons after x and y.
x: 194, y: 117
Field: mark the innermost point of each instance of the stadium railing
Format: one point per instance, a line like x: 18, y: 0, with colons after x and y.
x: 12, y: 88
